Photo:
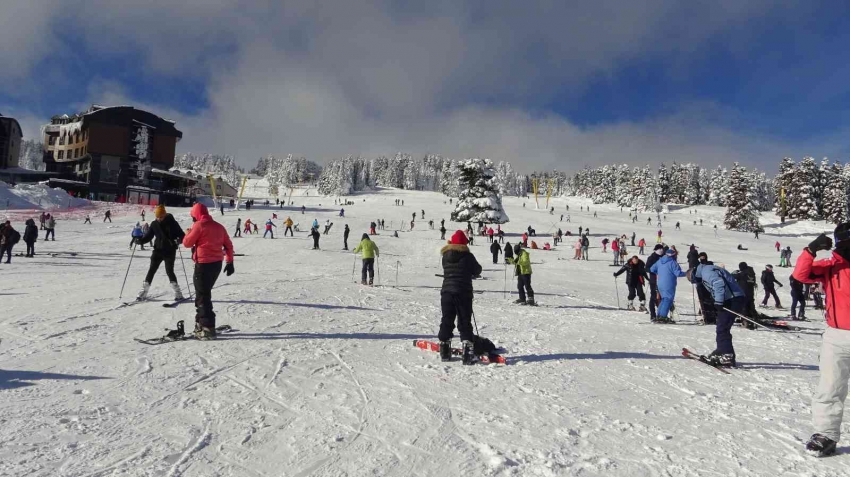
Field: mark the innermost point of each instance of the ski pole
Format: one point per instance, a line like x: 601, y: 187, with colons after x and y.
x: 752, y: 321
x: 475, y: 323
x: 353, y: 267
x: 378, y: 270
x: 505, y: 289
x: 617, y: 289
x: 128, y: 272
x: 188, y: 287
x: 693, y: 297
x: 396, y: 272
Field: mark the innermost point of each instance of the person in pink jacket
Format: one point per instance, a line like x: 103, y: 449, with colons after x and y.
x: 210, y: 244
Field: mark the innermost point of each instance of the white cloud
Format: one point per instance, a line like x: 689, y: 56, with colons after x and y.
x: 330, y: 78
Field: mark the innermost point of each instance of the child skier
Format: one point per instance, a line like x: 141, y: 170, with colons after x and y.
x: 522, y: 269
x: 634, y: 280
x: 459, y: 267
x: 269, y: 225
x: 135, y: 235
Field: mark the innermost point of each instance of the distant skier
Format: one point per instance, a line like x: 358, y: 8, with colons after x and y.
x: 777, y: 245
x: 522, y: 269
x: 221, y: 207
x: 459, y: 268
x: 658, y: 236
x: 509, y: 252
x: 107, y: 216
x: 51, y: 229
x: 345, y: 233
x: 585, y: 246
x: 442, y: 232
x: 797, y: 297
x: 314, y: 232
x: 238, y: 232
x: 210, y: 244
x: 88, y: 220
x: 615, y: 249
x: 635, y: 277
x: 715, y: 231
x: 269, y: 228
x: 342, y: 213
x: 641, y: 245
x: 135, y: 235
x: 495, y: 249
x: 288, y: 223
x: 369, y: 251
x: 30, y: 237
x: 745, y: 276
x: 678, y: 226
x: 693, y: 257
x: 768, y: 280
x: 633, y: 239
x: 8, y: 238
x: 667, y: 271
x: 166, y: 234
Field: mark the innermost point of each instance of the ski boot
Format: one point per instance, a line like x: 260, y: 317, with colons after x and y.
x: 662, y: 320
x: 143, y: 293
x: 178, y: 295
x: 519, y: 302
x: 642, y: 308
x: 203, y: 333
x: 445, y: 351
x: 469, y: 353
x: 178, y: 334
x: 363, y: 282
x: 531, y: 302
x: 820, y: 446
x: 630, y: 307
x: 722, y: 360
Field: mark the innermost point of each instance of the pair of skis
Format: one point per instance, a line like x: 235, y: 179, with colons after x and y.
x: 702, y: 359
x: 489, y: 358
x: 179, y: 335
x: 171, y: 304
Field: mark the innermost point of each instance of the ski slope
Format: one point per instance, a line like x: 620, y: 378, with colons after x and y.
x: 320, y: 377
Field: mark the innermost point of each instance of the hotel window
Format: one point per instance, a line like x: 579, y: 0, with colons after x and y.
x: 51, y: 140
x: 61, y: 154
x: 77, y: 152
x: 109, y: 168
x: 62, y: 140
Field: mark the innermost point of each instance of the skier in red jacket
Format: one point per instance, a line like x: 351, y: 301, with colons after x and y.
x: 210, y: 244
x: 828, y: 401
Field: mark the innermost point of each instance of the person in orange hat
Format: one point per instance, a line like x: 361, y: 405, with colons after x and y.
x: 459, y: 267
x: 167, y: 235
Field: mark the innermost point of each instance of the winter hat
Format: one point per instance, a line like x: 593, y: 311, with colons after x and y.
x: 671, y: 252
x: 159, y: 211
x: 842, y: 232
x: 459, y: 238
x: 517, y: 249
x: 769, y: 266
x: 743, y: 266
x: 658, y: 247
x: 364, y: 237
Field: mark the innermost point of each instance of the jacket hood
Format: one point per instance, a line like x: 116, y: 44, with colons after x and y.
x: 454, y: 247
x: 667, y: 259
x: 199, y: 211
x: 30, y: 222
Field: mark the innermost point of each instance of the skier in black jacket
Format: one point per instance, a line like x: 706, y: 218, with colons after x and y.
x: 693, y: 257
x: 30, y: 237
x: 746, y: 278
x: 167, y: 235
x: 495, y: 249
x: 657, y: 253
x: 314, y: 232
x: 706, y: 307
x: 345, y: 237
x: 459, y: 267
x: 767, y: 281
x: 509, y: 251
x: 634, y: 280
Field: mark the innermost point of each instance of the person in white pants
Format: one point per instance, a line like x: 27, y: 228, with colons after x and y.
x: 828, y: 401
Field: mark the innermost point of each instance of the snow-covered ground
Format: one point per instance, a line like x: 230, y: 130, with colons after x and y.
x: 321, y: 377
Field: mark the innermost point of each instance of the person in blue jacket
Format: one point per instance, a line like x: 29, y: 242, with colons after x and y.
x: 727, y: 296
x: 667, y: 270
x: 136, y: 235
x: 316, y: 224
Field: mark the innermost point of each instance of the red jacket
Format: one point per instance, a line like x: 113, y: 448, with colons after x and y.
x: 615, y: 245
x: 834, y: 274
x: 209, y: 239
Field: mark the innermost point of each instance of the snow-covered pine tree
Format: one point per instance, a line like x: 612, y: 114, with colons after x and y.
x: 803, y: 203
x: 741, y: 213
x: 662, y: 184
x: 693, y: 189
x: 623, y: 186
x: 835, y: 195
x: 717, y: 187
x: 479, y: 200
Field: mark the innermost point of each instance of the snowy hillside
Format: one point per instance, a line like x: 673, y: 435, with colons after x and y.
x: 320, y: 377
x: 36, y: 196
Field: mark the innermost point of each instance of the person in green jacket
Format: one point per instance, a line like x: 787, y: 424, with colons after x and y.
x: 522, y: 269
x: 369, y: 251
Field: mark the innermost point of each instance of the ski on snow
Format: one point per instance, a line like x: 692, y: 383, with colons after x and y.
x: 702, y: 359
x: 174, y: 303
x: 490, y: 358
x: 176, y: 335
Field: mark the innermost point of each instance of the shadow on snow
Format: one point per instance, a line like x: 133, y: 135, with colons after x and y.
x: 11, y: 379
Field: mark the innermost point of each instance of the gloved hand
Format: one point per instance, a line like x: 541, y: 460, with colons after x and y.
x: 822, y: 242
x: 228, y: 269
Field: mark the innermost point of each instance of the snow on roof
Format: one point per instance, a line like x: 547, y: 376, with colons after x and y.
x: 69, y: 181
x: 21, y: 171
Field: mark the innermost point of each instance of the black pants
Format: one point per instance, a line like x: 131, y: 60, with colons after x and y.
x: 706, y: 304
x: 767, y: 294
x: 30, y: 249
x: 288, y: 229
x: 238, y: 231
x: 107, y: 218
x: 750, y: 305
x: 442, y: 235
x: 636, y: 290
x: 495, y: 257
x: 315, y: 243
x: 345, y: 242
x: 368, y: 267
x: 653, y: 294
x: 6, y: 250
x: 456, y: 305
x: 158, y: 257
x: 204, y: 279
x: 49, y: 233
x: 725, y: 320
x: 523, y: 285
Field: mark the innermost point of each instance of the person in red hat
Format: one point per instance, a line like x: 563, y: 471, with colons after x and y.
x: 459, y: 267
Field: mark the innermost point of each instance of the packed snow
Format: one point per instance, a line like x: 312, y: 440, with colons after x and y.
x: 36, y: 196
x: 321, y: 377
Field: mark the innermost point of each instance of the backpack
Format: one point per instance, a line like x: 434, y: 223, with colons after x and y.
x: 14, y: 237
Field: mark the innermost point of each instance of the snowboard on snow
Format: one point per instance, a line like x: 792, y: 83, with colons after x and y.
x: 702, y: 359
x: 489, y: 358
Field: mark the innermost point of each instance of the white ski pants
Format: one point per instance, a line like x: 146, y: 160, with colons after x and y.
x: 828, y: 401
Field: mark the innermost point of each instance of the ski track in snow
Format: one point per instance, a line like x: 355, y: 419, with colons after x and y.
x: 321, y: 378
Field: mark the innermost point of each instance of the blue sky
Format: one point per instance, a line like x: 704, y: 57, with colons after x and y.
x: 538, y: 83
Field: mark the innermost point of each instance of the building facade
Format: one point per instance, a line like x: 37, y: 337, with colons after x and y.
x: 116, y: 154
x: 10, y: 142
